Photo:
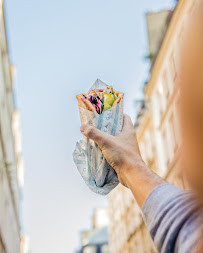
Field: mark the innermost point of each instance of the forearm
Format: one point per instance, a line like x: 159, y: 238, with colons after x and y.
x: 141, y: 181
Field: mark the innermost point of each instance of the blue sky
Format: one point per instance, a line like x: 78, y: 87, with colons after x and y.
x: 60, y: 48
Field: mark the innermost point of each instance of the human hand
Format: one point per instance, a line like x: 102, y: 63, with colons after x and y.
x: 121, y: 151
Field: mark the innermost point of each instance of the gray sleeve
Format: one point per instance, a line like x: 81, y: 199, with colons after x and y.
x: 170, y: 214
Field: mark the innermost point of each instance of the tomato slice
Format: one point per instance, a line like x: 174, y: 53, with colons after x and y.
x: 101, y: 90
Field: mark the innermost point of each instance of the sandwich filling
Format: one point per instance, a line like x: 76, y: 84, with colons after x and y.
x: 101, y: 99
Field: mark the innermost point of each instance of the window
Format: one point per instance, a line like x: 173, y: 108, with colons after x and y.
x: 173, y: 133
x: 165, y: 84
x: 90, y: 249
x: 105, y: 248
x: 157, y: 108
x: 148, y: 148
x: 173, y: 69
x: 162, y: 94
x: 165, y: 144
x: 180, y: 36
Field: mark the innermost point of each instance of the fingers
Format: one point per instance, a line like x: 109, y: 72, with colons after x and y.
x: 127, y: 123
x: 99, y: 137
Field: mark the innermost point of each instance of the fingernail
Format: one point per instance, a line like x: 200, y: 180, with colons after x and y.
x: 83, y: 127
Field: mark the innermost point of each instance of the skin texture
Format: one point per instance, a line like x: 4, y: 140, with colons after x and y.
x: 191, y: 102
x: 123, y: 154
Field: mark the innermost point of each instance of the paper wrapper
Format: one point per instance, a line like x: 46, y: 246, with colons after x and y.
x: 93, y: 167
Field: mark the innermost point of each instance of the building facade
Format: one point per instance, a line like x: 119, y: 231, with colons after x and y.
x: 10, y: 169
x: 96, y: 239
x: 24, y: 241
x: 157, y: 129
x: 24, y: 244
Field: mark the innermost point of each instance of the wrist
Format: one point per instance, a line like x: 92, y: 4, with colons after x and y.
x: 133, y: 168
x: 139, y: 179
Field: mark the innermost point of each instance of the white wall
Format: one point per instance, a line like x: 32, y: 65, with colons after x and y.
x: 9, y: 190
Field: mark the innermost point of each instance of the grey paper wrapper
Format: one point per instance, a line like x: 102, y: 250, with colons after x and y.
x: 93, y: 167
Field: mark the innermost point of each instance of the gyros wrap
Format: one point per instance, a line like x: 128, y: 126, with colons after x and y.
x: 101, y: 107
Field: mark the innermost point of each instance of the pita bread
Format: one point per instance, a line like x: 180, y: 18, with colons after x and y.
x: 84, y: 103
x: 120, y: 96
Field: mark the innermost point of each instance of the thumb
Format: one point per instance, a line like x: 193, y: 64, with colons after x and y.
x: 127, y: 123
x: 99, y: 137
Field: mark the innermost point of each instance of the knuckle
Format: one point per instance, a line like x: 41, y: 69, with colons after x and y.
x: 103, y: 143
x: 106, y: 143
x: 90, y: 131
